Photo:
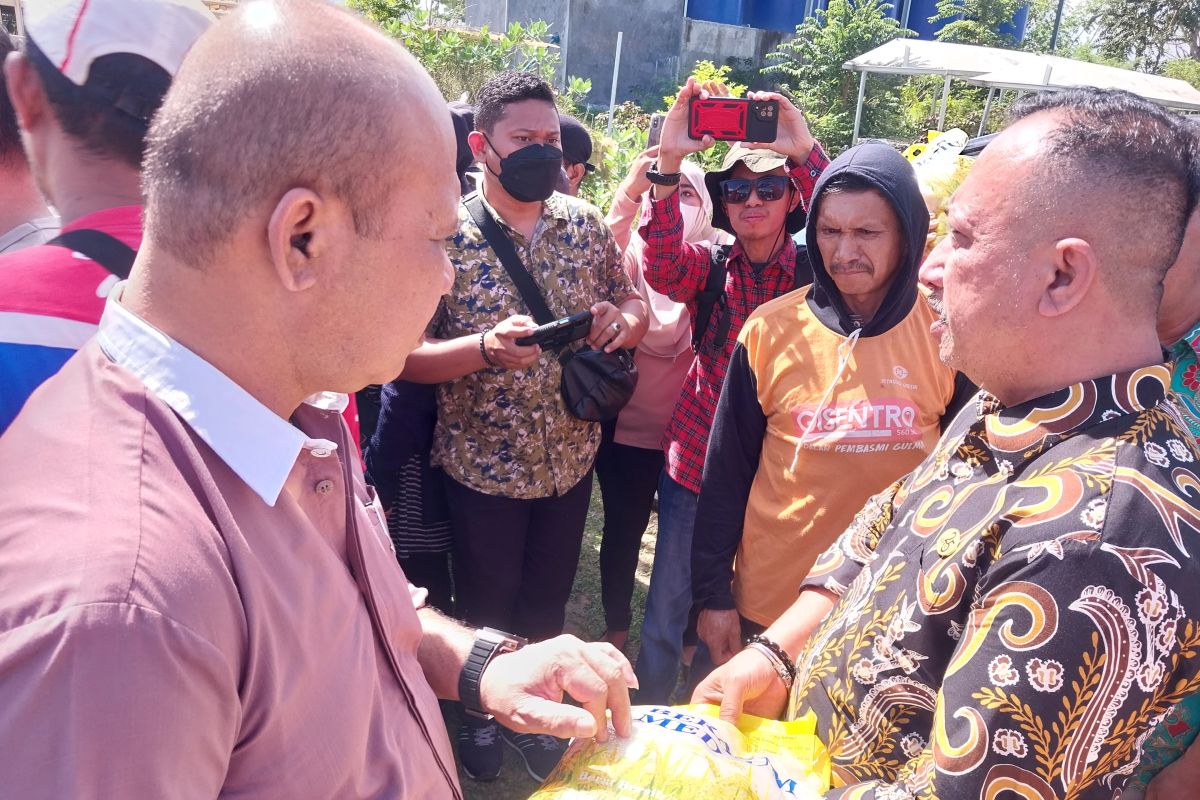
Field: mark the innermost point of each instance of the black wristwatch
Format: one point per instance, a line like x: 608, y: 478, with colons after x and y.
x: 489, y: 643
x: 662, y: 178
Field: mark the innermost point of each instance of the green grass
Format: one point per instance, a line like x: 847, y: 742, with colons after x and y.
x: 585, y: 619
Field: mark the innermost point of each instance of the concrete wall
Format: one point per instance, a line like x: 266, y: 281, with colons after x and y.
x: 717, y: 43
x: 650, y: 46
x: 497, y: 15
x: 587, y: 31
x: 659, y: 42
x: 486, y: 12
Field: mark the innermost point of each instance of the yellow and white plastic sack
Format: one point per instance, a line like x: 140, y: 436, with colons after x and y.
x: 689, y: 752
x: 940, y: 171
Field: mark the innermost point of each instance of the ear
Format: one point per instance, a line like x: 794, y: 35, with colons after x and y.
x: 1075, y: 270
x: 478, y: 144
x: 576, y: 173
x: 298, y: 235
x: 25, y: 91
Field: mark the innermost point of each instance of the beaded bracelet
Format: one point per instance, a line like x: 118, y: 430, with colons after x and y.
x: 483, y: 350
x: 780, y: 668
x: 779, y: 654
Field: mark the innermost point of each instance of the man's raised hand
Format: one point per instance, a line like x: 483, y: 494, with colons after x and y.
x: 675, y: 143
x: 794, y: 139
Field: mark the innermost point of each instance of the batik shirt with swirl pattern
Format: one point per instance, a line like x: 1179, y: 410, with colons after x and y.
x: 1020, y: 611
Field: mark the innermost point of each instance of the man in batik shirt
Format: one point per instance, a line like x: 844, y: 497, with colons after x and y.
x: 518, y: 464
x: 1169, y: 752
x: 1016, y: 615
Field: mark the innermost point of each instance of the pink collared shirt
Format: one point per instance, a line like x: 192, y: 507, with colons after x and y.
x: 184, y: 611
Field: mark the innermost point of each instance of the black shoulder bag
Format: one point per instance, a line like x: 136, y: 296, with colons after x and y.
x: 595, y: 385
x: 106, y: 250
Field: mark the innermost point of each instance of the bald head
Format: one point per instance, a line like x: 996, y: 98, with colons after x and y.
x: 284, y: 94
x: 1107, y: 167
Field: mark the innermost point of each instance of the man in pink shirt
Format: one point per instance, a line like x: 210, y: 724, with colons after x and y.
x: 199, y: 596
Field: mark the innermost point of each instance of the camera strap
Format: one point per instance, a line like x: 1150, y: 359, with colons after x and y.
x: 502, y: 245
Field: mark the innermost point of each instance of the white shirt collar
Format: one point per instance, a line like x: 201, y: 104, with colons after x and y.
x: 257, y: 444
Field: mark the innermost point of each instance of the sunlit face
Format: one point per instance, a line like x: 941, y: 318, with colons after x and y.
x: 523, y: 123
x: 756, y: 219
x: 861, y: 242
x: 400, y: 276
x: 975, y: 274
x: 688, y: 195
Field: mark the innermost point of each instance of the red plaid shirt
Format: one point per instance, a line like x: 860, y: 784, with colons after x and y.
x: 679, y: 269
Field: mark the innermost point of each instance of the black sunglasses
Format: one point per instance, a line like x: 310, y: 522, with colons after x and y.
x: 768, y: 188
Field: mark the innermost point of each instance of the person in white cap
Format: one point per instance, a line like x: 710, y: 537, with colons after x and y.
x: 24, y: 219
x: 84, y: 88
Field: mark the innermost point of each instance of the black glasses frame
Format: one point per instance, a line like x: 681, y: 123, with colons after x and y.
x: 769, y: 188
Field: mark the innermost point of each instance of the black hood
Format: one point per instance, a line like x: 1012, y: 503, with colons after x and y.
x: 890, y: 173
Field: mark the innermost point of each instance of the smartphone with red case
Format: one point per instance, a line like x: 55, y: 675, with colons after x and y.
x: 733, y: 119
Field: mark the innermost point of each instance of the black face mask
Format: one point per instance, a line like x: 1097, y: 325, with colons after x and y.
x: 530, y: 174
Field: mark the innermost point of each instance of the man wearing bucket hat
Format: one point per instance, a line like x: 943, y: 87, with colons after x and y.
x: 84, y: 88
x: 759, y: 196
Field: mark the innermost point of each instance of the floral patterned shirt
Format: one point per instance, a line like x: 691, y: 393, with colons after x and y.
x: 508, y: 432
x: 1185, y: 379
x: 1021, y: 611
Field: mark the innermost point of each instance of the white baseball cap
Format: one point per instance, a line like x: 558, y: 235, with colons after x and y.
x: 74, y: 33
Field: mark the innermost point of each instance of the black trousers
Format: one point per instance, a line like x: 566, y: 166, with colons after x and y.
x: 514, y: 560
x: 628, y: 479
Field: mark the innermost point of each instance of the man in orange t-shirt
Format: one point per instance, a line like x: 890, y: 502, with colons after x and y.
x: 833, y: 392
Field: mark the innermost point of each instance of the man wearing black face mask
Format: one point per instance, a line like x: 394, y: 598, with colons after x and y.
x: 518, y: 465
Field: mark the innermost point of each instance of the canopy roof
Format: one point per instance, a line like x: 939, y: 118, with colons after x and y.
x: 1059, y: 73
x: 918, y: 57
x: 1012, y: 69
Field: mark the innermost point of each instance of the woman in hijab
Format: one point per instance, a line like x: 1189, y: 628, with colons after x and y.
x: 631, y: 457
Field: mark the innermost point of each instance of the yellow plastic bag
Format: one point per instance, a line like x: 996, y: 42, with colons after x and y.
x: 940, y: 171
x: 688, y: 752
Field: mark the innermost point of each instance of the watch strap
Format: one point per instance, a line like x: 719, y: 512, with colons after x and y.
x: 488, y: 644
x: 662, y: 178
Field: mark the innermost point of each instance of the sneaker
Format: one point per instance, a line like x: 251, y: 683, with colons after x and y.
x: 540, y: 752
x: 479, y: 749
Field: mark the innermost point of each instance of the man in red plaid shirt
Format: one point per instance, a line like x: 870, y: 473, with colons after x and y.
x: 760, y: 196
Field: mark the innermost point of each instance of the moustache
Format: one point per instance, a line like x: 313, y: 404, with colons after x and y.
x: 853, y: 266
x: 935, y: 303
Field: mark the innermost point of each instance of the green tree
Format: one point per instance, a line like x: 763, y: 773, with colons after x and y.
x: 461, y: 59
x: 1186, y: 69
x: 1148, y: 32
x: 810, y: 67
x: 706, y: 71
x: 977, y: 21
x: 384, y: 12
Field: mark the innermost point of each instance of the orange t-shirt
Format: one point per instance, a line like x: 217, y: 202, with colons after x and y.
x: 879, y: 421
